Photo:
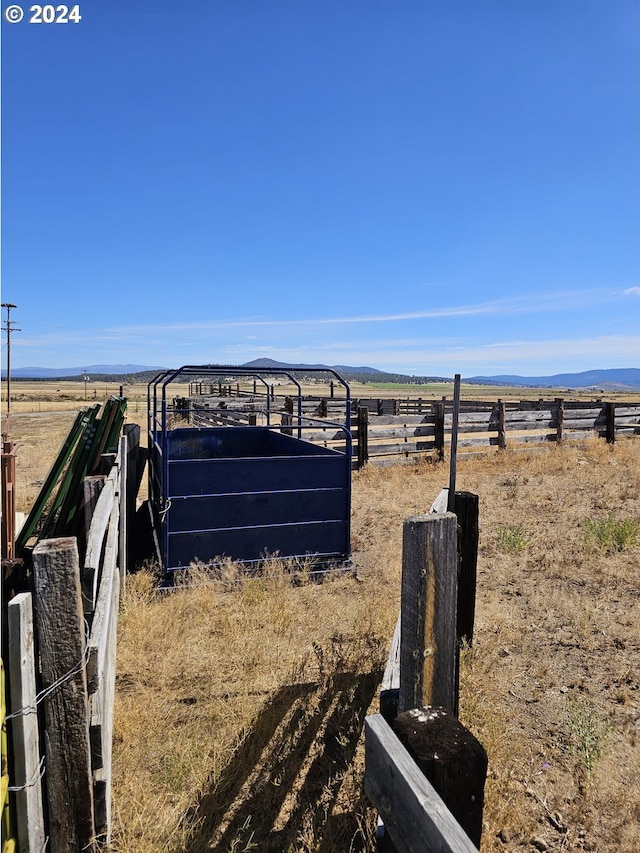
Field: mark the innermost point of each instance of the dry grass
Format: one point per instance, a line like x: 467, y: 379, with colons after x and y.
x: 551, y: 686
x: 239, y: 707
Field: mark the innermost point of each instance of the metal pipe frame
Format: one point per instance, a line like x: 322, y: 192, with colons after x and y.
x: 158, y: 428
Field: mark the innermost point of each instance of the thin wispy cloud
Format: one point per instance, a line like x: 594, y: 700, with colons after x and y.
x: 393, y: 343
x: 515, y: 305
x: 445, y: 356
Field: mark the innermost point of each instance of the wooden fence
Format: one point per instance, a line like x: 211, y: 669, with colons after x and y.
x: 386, y: 430
x: 61, y: 671
x: 424, y: 772
x: 497, y: 425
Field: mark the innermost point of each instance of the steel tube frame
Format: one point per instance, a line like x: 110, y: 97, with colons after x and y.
x: 158, y: 428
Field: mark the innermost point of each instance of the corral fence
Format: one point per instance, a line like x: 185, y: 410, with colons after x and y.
x: 61, y: 614
x: 384, y: 430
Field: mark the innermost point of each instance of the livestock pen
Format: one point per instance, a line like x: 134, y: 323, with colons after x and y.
x: 246, y: 491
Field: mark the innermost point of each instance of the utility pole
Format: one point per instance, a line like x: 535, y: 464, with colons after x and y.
x: 9, y: 327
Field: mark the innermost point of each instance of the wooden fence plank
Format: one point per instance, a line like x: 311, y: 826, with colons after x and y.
x: 400, y: 431
x: 98, y: 639
x: 95, y: 541
x: 428, y: 607
x: 103, y: 641
x: 413, y: 813
x: 60, y: 623
x: 400, y: 448
x: 123, y: 498
x: 24, y: 727
x: 92, y: 486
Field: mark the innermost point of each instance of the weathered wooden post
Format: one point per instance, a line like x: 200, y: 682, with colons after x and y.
x: 428, y: 608
x: 438, y: 410
x: 287, y: 416
x: 610, y: 420
x: 502, y: 436
x: 452, y: 759
x: 363, y: 436
x: 60, y: 624
x: 559, y: 419
x: 427, y: 779
x: 8, y: 498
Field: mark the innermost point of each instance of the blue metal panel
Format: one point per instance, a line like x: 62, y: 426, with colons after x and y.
x: 323, y: 540
x: 246, y: 492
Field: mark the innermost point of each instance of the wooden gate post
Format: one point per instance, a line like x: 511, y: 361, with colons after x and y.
x: 428, y: 643
x: 61, y: 634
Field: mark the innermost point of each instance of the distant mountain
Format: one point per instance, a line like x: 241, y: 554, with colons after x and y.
x: 59, y: 372
x: 616, y: 379
x: 341, y: 368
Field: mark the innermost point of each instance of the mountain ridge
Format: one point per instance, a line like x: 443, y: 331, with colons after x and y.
x: 612, y: 379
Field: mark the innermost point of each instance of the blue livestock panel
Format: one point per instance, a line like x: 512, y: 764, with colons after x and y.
x: 250, y: 492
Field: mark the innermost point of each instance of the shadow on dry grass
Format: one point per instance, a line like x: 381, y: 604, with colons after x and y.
x: 283, y: 781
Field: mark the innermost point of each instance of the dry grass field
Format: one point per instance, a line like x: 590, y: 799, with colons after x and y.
x: 240, y: 706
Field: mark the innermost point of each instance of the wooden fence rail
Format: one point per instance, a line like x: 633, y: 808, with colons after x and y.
x: 75, y: 599
x: 386, y: 430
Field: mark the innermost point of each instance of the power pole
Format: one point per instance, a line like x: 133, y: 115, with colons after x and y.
x: 9, y: 327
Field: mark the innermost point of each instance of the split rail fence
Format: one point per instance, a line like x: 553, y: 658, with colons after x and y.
x: 385, y: 430
x: 61, y: 671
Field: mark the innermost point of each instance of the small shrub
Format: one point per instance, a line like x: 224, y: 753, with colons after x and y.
x: 588, y: 733
x: 610, y: 535
x: 512, y: 538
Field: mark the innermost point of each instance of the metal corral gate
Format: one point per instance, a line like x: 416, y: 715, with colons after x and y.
x: 246, y: 492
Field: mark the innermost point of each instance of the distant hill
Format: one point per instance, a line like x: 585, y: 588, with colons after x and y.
x: 341, y: 368
x: 616, y: 379
x: 354, y: 374
x: 91, y: 369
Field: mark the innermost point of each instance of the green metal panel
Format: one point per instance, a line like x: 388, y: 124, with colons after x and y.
x: 57, y: 468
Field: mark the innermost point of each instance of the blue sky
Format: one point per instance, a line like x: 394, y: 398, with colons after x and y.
x: 423, y: 187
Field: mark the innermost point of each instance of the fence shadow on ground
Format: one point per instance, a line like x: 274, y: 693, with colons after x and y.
x: 283, y: 781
